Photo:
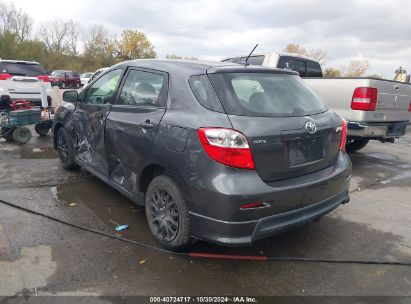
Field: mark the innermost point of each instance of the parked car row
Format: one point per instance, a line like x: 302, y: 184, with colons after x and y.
x: 69, y: 79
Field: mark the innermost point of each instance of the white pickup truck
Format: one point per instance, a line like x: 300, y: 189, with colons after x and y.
x: 374, y: 108
x: 22, y: 80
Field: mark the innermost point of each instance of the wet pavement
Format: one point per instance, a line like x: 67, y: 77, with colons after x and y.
x: 42, y: 257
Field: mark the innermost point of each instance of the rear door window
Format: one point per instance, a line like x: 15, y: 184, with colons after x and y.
x: 301, y: 68
x: 265, y: 94
x: 286, y: 63
x: 235, y: 60
x: 314, y: 69
x: 254, y: 60
x: 22, y: 69
x: 142, y: 88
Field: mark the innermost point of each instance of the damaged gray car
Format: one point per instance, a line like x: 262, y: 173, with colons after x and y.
x: 220, y: 152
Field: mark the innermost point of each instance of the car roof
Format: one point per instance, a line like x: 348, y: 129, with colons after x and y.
x: 196, y: 67
x: 18, y: 61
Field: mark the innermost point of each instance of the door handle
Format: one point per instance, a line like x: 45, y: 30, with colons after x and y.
x: 147, y: 124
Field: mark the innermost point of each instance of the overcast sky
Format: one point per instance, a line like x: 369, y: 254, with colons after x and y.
x: 379, y: 31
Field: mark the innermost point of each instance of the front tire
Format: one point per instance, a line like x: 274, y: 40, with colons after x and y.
x: 65, y: 150
x: 167, y: 213
x: 353, y: 145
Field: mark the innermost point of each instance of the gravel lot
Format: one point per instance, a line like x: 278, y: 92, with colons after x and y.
x: 39, y: 256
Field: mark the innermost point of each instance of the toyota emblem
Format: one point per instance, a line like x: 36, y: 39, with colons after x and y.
x: 311, y: 127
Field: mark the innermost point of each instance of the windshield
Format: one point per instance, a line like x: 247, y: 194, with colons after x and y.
x: 265, y: 94
x: 86, y: 75
x: 57, y: 73
x: 22, y: 69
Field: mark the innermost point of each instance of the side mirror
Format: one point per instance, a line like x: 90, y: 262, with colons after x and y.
x: 70, y: 96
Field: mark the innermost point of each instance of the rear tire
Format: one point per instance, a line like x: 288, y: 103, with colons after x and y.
x: 167, y: 213
x: 353, y: 145
x: 21, y: 135
x: 41, y: 129
x: 65, y: 150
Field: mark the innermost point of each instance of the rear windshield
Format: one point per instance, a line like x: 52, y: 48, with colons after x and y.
x: 57, y: 73
x: 265, y: 94
x: 22, y: 69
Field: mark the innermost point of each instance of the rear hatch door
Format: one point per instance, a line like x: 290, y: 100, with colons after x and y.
x: 290, y: 131
x: 282, y: 148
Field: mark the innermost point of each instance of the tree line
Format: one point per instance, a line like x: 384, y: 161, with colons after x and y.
x: 59, y: 44
x: 63, y: 44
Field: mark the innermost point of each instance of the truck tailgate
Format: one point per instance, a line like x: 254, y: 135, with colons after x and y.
x: 392, y: 95
x: 392, y: 105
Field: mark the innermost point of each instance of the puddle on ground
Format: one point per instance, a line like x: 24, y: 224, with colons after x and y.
x: 36, y: 153
x: 94, y: 199
x: 107, y: 204
x: 379, y: 169
x: 28, y: 151
x: 382, y: 156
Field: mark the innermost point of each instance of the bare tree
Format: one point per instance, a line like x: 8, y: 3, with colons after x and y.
x: 73, y: 31
x: 173, y: 56
x: 96, y: 40
x: 6, y: 19
x: 60, y: 36
x: 15, y: 21
x: 332, y: 72
x: 319, y: 55
x: 357, y: 68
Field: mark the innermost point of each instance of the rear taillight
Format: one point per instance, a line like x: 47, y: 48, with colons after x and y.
x: 409, y: 107
x: 227, y: 146
x: 364, y: 99
x: 5, y: 76
x: 44, y: 78
x: 343, y: 134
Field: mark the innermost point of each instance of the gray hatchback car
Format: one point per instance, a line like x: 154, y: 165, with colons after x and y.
x: 220, y: 152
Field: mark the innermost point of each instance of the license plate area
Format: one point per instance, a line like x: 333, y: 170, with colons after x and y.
x: 305, y: 151
x: 396, y: 129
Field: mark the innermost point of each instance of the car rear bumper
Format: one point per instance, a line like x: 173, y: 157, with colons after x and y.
x: 378, y: 130
x: 244, y: 233
x: 216, y: 216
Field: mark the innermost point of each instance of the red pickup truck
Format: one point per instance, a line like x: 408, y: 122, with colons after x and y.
x: 65, y: 79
